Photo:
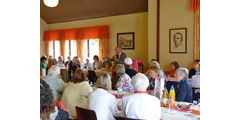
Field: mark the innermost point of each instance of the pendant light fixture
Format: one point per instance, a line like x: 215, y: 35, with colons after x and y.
x: 51, y: 3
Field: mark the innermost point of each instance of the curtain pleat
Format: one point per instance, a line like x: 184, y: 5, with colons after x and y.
x: 195, y: 5
x: 103, y: 48
x: 197, y: 15
x: 63, y: 49
x: 47, y: 48
x: 82, y: 50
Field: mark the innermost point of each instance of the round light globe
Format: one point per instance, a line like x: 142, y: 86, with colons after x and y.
x: 51, y: 3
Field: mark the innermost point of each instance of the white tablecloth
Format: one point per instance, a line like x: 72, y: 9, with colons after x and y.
x: 168, y: 114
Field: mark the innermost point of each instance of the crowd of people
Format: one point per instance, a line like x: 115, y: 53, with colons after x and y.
x: 146, y: 89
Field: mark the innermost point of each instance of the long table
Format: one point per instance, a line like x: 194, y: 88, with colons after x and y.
x: 170, y: 114
x: 64, y: 73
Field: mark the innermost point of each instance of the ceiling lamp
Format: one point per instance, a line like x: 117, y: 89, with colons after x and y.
x: 51, y: 3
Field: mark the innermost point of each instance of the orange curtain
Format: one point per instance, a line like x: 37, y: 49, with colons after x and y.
x: 103, y: 48
x: 195, y: 5
x: 96, y: 32
x: 82, y: 49
x: 197, y: 29
x: 47, y: 48
x: 63, y: 49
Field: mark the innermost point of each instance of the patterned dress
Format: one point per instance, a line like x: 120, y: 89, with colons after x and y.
x: 124, y: 82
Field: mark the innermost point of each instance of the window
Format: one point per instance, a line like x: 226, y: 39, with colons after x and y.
x: 71, y: 48
x: 93, y: 48
x: 56, y: 47
x: 51, y: 49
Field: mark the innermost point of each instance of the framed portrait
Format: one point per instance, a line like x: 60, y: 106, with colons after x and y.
x: 126, y: 40
x: 178, y: 40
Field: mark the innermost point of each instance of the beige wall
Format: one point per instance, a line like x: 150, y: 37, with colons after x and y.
x: 137, y: 23
x: 176, y: 14
x: 43, y: 27
x: 152, y: 29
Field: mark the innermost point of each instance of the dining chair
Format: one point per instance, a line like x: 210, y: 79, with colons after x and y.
x: 92, y: 76
x: 124, y: 118
x: 85, y: 114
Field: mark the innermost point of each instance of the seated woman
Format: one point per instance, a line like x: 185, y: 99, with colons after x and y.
x: 101, y: 101
x: 87, y: 64
x: 48, y: 110
x: 61, y: 62
x: 124, y: 81
x: 76, y: 93
x: 184, y: 90
x: 128, y: 64
x: 156, y: 78
x: 53, y: 79
x: 196, y: 68
x: 73, y: 67
x: 97, y: 63
x: 175, y: 66
x: 140, y: 105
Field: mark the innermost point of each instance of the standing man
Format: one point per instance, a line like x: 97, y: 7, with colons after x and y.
x: 120, y: 56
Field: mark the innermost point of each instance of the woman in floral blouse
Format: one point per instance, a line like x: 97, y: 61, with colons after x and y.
x: 124, y: 81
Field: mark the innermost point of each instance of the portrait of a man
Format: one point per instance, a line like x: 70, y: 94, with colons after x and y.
x: 178, y: 40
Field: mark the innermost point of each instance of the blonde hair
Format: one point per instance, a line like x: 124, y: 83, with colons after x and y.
x: 74, y: 59
x: 154, y: 65
x: 104, y: 81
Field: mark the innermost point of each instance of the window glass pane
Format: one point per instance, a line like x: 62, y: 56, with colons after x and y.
x: 93, y: 48
x: 73, y: 48
x: 51, y: 48
x: 57, y: 49
x: 66, y: 49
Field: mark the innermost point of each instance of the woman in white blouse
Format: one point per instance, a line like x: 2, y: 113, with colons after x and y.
x: 141, y: 105
x: 101, y: 101
x: 97, y: 64
x: 76, y: 93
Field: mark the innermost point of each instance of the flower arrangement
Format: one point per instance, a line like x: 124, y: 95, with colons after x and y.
x: 184, y: 106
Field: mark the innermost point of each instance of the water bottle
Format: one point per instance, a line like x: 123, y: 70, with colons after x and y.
x: 120, y: 92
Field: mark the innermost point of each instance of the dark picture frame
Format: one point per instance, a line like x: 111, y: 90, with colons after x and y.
x: 126, y: 40
x: 178, y: 40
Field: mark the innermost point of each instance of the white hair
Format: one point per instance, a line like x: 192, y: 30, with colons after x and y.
x: 182, y: 72
x: 120, y: 69
x: 140, y: 82
x: 54, y: 71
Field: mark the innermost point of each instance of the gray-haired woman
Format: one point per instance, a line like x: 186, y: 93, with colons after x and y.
x: 184, y: 90
x: 124, y: 81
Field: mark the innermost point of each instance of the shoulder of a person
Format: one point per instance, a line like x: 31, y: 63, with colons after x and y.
x: 125, y: 98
